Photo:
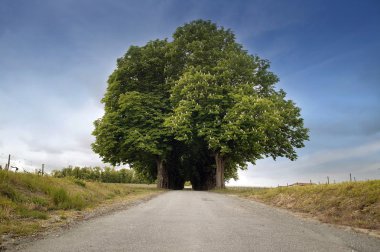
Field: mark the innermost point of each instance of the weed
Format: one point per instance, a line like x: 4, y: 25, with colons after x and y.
x: 7, y: 191
x: 80, y: 182
x: 6, y: 208
x: 60, y: 197
x: 76, y: 202
x: 27, y: 213
x: 40, y: 201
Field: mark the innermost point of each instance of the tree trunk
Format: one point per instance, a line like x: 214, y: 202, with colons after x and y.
x: 219, y: 176
x: 162, y: 174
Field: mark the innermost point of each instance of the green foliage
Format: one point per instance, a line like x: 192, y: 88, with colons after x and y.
x: 228, y: 99
x: 167, y: 101
x: 135, y: 103
x: 105, y: 175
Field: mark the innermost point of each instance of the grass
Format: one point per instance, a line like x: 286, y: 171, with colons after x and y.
x: 28, y: 201
x: 355, y: 204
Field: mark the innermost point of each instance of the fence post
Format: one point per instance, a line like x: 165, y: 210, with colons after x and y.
x: 350, y: 178
x: 42, y: 169
x: 328, y: 180
x: 9, y: 161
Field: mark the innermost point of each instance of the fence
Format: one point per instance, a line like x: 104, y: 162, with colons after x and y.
x: 15, y: 164
x: 12, y: 163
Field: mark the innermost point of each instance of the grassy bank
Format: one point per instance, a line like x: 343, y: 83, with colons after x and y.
x: 355, y: 204
x: 29, y: 202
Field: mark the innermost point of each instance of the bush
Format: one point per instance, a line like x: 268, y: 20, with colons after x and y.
x: 60, y: 197
x: 105, y: 175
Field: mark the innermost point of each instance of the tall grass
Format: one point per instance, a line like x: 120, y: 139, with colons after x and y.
x: 26, y: 199
x: 352, y: 203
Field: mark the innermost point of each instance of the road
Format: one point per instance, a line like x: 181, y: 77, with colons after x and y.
x: 203, y: 221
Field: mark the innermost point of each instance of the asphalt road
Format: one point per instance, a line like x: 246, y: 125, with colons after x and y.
x: 203, y: 221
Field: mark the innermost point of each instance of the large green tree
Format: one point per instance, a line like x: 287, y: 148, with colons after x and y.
x: 227, y: 97
x: 197, y: 108
x: 136, y: 104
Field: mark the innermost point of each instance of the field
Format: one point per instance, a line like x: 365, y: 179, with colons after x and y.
x: 29, y: 203
x: 355, y: 204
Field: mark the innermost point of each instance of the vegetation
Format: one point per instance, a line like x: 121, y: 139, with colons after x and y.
x: 28, y: 202
x: 354, y: 204
x: 197, y: 108
x: 106, y: 175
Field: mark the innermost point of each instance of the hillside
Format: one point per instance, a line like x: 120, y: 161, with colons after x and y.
x: 355, y: 204
x: 29, y: 203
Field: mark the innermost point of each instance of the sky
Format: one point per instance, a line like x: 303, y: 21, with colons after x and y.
x: 56, y: 56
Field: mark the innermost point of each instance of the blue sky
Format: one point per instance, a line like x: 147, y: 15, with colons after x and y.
x: 55, y: 58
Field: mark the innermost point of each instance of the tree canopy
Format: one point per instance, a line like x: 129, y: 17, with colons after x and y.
x: 197, y: 108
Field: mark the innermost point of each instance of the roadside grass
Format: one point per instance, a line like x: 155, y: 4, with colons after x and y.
x: 355, y: 204
x: 28, y: 201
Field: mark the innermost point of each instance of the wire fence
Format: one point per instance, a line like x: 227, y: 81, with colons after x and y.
x: 328, y: 181
x: 17, y: 164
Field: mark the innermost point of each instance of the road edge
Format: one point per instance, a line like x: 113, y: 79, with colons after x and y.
x: 16, y: 243
x: 309, y: 217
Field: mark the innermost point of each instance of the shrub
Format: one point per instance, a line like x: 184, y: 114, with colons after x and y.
x: 60, y: 197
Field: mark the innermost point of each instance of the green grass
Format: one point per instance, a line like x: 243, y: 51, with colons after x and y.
x: 34, y: 214
x: 27, y: 200
x: 354, y: 204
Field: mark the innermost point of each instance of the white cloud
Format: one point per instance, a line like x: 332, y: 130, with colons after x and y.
x: 64, y: 139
